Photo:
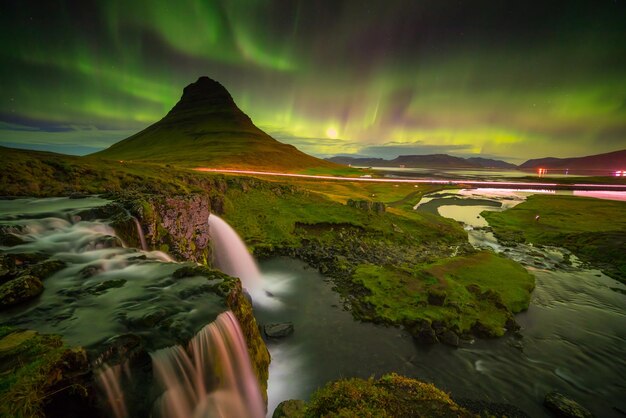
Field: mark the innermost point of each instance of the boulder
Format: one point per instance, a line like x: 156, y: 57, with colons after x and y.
x: 292, y: 408
x: 562, y: 406
x: 422, y: 331
x: 278, y: 330
x: 19, y: 290
x: 449, y: 338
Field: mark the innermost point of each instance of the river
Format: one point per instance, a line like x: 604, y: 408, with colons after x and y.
x: 572, y: 339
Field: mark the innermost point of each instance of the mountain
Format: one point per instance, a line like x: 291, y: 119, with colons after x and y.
x: 432, y: 161
x: 610, y: 161
x: 491, y: 163
x: 206, y: 128
x: 358, y: 161
x: 424, y: 161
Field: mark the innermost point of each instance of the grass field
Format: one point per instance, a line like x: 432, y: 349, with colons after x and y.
x: 593, y: 229
x: 468, y: 288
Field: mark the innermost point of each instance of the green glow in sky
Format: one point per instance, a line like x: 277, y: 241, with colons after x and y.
x: 370, y: 78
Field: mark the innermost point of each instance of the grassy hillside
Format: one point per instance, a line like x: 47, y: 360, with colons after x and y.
x: 387, y: 264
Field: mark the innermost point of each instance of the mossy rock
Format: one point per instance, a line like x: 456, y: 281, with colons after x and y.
x: 19, y: 290
x: 46, y: 268
x: 292, y: 408
x: 390, y: 396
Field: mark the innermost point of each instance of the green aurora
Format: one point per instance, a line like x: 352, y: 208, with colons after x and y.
x: 379, y: 78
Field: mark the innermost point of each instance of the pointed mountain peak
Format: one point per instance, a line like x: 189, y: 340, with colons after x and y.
x: 207, y: 129
x: 205, y: 94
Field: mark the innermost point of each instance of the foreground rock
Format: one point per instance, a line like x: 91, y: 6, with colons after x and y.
x: 390, y: 396
x: 278, y: 330
x: 565, y: 407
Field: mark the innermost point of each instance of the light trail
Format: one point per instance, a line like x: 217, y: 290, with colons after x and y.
x: 477, y: 183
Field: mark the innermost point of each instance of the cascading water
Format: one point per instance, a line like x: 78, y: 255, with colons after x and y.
x: 231, y: 255
x: 213, y: 377
x: 110, y: 379
x: 140, y: 234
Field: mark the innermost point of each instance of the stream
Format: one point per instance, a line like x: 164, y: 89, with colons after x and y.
x: 572, y: 339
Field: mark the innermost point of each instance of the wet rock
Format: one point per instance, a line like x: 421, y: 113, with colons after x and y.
x: 278, y: 330
x: 101, y: 212
x: 292, y: 408
x: 191, y: 271
x: 481, y: 330
x: 10, y: 240
x: 449, y: 338
x: 512, y: 325
x: 24, y: 259
x: 89, y: 271
x: 104, y: 242
x: 565, y: 407
x: 19, y: 290
x: 422, y: 331
x: 122, y: 348
x: 107, y: 284
x: 46, y: 268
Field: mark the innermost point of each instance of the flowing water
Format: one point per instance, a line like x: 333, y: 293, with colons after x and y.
x: 230, y: 254
x: 212, y: 378
x: 107, y: 293
x: 572, y: 340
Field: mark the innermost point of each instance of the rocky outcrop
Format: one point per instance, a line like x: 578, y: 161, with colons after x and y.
x: 176, y: 225
x: 367, y: 205
x: 564, y: 407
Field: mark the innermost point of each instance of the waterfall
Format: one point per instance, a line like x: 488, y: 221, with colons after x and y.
x: 142, y: 238
x: 210, y: 378
x: 213, y: 377
x: 231, y: 255
x: 110, y: 379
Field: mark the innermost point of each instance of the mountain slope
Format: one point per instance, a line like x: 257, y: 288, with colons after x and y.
x: 206, y: 128
x: 609, y: 161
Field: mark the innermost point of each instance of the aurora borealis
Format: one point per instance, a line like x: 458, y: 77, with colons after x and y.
x: 511, y: 80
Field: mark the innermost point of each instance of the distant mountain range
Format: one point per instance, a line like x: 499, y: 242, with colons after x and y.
x: 424, y: 161
x: 612, y: 161
x: 206, y: 128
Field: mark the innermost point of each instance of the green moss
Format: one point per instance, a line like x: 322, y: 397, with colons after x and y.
x: 33, y: 365
x: 391, y: 396
x: 457, y: 291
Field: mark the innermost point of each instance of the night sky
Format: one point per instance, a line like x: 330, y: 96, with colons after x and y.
x: 512, y: 80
